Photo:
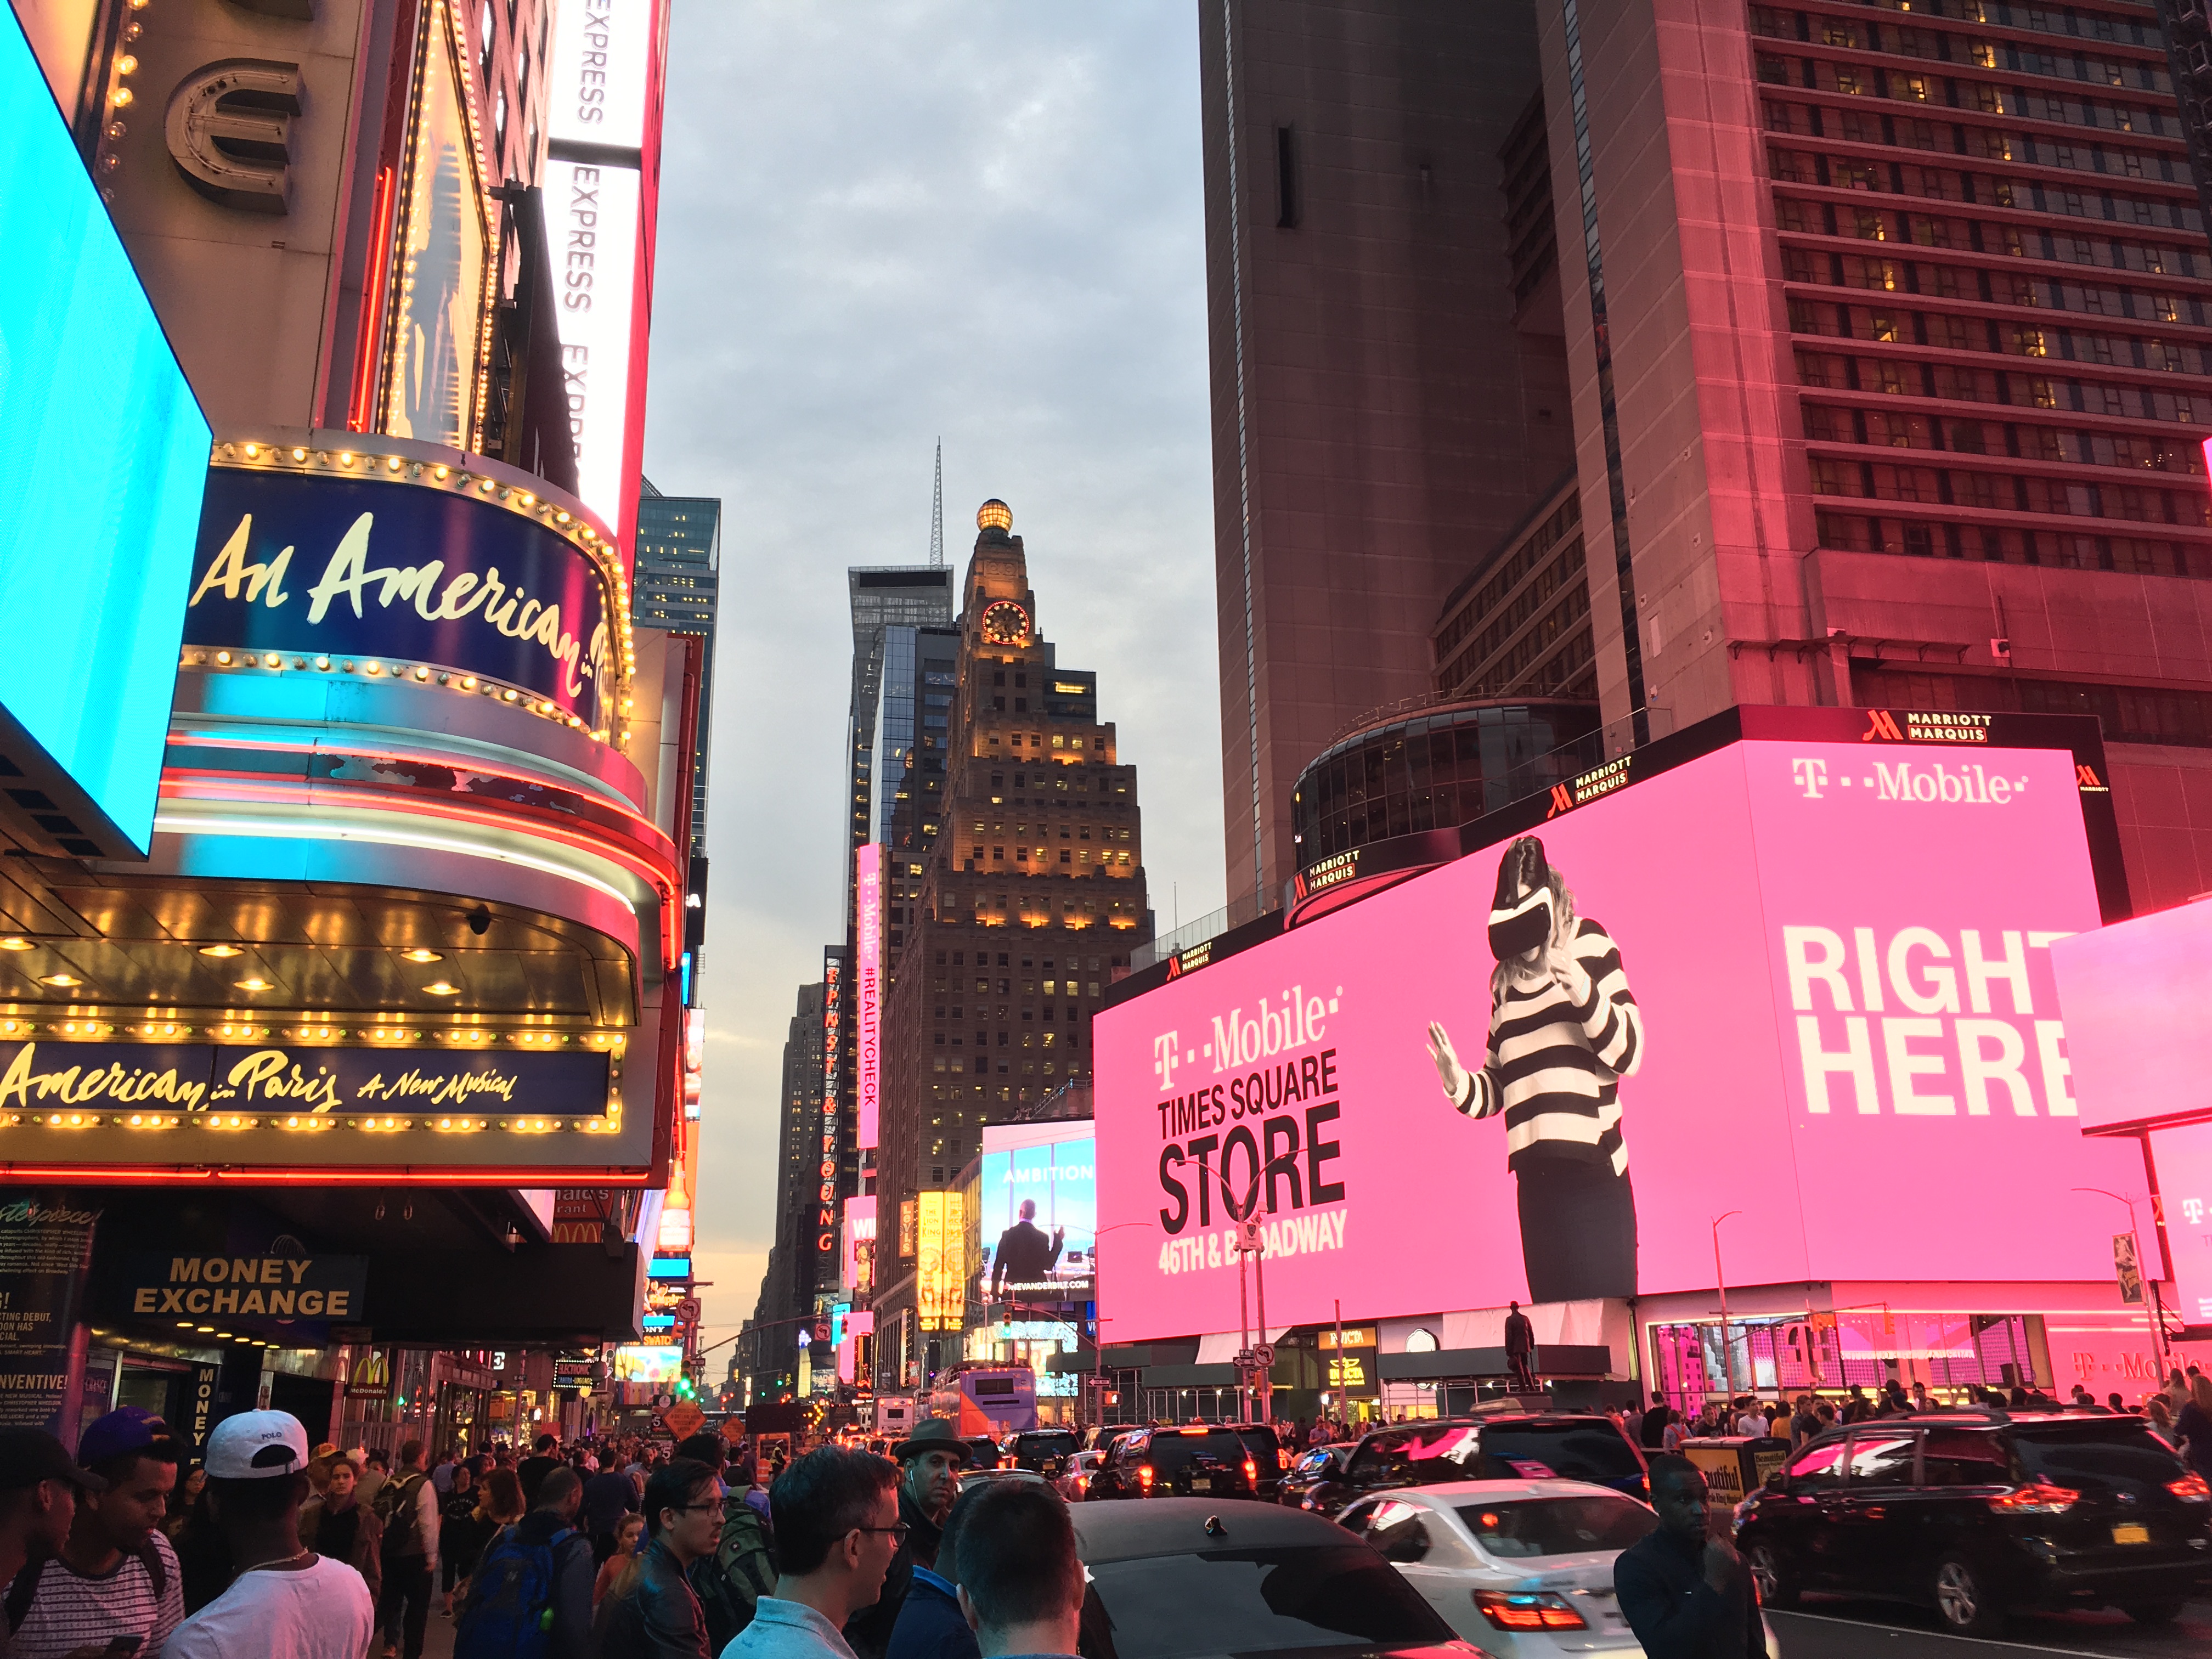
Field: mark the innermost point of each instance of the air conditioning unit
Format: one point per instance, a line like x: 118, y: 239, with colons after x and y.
x: 2001, y: 650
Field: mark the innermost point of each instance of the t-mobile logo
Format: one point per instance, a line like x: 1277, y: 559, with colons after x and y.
x: 1811, y: 777
x: 1167, y: 1054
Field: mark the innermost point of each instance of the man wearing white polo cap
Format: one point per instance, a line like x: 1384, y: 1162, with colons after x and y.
x: 287, y: 1602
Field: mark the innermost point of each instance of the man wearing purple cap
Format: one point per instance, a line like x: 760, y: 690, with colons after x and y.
x: 115, y: 1575
x: 287, y: 1602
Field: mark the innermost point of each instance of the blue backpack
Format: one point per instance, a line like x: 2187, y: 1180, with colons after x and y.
x: 510, y: 1609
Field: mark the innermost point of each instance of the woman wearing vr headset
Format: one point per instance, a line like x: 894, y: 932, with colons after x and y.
x: 1563, y: 1030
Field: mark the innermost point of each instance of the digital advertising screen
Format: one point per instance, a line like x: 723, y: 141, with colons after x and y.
x: 1037, y: 1199
x: 2133, y: 995
x: 103, y: 452
x: 648, y: 1362
x: 1806, y: 980
x: 2183, y: 1158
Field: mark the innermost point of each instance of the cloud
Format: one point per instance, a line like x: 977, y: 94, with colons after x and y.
x: 882, y: 224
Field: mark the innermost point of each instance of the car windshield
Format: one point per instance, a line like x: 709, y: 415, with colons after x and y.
x: 1586, y: 1449
x: 1172, y: 1453
x: 2121, y: 1452
x: 1220, y: 1601
x: 1057, y: 1443
x: 1557, y: 1525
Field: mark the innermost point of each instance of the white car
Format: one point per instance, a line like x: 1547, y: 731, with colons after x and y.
x: 1074, y: 1482
x: 1521, y: 1569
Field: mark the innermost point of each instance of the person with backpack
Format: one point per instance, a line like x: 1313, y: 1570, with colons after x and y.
x: 115, y: 1577
x: 745, y: 1561
x: 339, y: 1525
x: 407, y: 1506
x: 530, y: 1596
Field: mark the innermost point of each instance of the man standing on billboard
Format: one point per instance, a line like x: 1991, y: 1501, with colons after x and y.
x: 1024, y: 1256
x: 1563, y: 1030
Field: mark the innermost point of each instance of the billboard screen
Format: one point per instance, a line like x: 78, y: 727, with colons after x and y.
x: 103, y: 452
x: 2132, y: 995
x: 940, y: 1286
x: 594, y: 207
x: 1037, y: 1212
x: 2183, y: 1158
x: 1804, y: 980
x: 868, y: 989
x: 648, y: 1362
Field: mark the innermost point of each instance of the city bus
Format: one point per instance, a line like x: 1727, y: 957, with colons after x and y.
x: 980, y: 1398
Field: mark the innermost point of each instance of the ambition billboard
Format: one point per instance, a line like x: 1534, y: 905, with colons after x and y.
x: 1036, y: 1202
x: 1804, y: 979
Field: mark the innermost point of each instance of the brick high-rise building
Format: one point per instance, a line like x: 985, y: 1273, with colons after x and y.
x: 1031, y: 895
x: 1890, y: 333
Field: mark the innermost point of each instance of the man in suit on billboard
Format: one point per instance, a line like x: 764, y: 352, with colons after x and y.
x: 1025, y: 1256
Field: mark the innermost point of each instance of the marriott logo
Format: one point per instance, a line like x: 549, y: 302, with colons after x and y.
x: 1971, y: 785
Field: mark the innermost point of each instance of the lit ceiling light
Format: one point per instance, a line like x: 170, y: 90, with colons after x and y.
x: 220, y: 951
x: 253, y: 985
x: 421, y: 954
x: 62, y: 980
x: 442, y: 989
x: 14, y: 943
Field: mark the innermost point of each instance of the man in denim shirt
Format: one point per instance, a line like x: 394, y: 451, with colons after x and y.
x: 837, y: 1527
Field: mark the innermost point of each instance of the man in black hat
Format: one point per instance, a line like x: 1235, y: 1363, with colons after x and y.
x: 39, y: 1487
x: 930, y: 1462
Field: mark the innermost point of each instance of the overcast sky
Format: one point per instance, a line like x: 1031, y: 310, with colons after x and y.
x: 879, y: 223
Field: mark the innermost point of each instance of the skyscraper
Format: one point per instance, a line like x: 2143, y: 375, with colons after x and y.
x: 883, y: 597
x: 1385, y: 407
x: 1891, y: 339
x: 1031, y: 896
x: 786, y: 1287
x: 676, y: 588
x: 1886, y: 362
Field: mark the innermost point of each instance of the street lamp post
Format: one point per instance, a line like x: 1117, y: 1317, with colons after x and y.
x: 1250, y: 1245
x: 1098, y: 1342
x: 1720, y: 1280
x: 2150, y: 1280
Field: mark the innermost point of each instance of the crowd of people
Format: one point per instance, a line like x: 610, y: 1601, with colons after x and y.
x: 621, y: 1551
x: 274, y: 1549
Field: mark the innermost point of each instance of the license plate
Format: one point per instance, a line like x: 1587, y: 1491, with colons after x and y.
x: 1202, y: 1483
x: 2131, y: 1534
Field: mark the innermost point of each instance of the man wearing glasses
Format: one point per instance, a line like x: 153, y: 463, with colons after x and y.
x: 837, y: 1527
x: 930, y: 1462
x: 658, y: 1617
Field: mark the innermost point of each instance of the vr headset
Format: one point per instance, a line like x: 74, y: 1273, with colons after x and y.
x: 1521, y: 916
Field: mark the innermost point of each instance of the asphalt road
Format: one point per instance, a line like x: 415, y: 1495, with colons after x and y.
x: 1823, y: 1629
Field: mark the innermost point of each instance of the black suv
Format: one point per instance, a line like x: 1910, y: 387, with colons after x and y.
x: 1500, y: 1446
x: 1977, y: 1513
x: 1045, y: 1451
x: 1203, y: 1460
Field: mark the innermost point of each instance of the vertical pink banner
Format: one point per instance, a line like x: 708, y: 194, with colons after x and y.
x: 867, y: 984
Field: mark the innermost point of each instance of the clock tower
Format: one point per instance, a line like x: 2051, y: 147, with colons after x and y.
x: 1031, y: 897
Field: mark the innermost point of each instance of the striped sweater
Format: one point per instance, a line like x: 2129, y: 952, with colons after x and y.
x: 1554, y: 1063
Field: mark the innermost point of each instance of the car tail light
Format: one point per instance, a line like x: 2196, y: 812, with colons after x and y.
x: 2191, y: 1488
x: 1144, y: 1476
x: 1009, y: 1462
x: 1082, y: 1482
x: 1251, y: 1473
x: 2036, y: 1497
x: 1527, y: 1610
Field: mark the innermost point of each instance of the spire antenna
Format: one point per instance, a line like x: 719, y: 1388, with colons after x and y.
x: 937, y: 513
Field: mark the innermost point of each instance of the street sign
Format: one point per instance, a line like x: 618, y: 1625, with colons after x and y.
x: 1249, y: 1239
x: 1263, y: 1356
x: 733, y: 1429
x: 683, y: 1418
x: 688, y: 1310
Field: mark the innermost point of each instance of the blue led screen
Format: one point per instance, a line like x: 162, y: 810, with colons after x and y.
x: 103, y: 456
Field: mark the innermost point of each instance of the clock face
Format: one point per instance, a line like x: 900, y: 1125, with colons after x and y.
x: 1005, y: 622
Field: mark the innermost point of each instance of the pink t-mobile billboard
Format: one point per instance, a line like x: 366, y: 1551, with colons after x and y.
x: 1805, y: 981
